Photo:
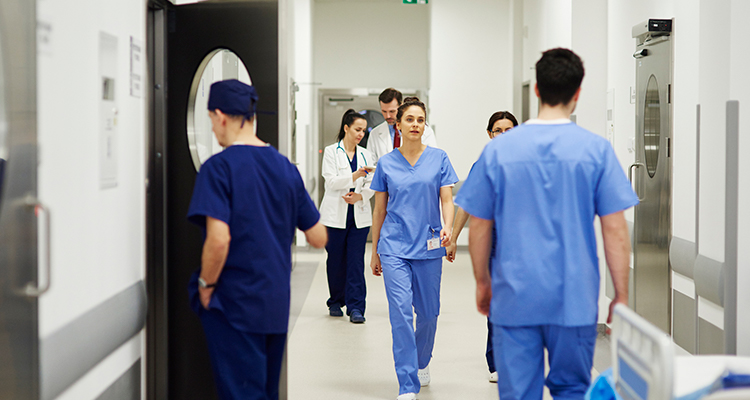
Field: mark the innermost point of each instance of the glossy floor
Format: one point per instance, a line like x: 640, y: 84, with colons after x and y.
x: 331, y: 358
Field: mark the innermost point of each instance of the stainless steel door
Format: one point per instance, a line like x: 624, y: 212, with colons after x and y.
x: 19, y: 337
x: 652, y: 173
x: 334, y: 104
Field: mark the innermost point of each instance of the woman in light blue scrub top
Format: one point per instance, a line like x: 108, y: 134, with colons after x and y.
x: 408, y: 239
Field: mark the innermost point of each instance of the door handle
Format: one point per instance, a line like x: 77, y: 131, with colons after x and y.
x: 630, y: 177
x: 39, y: 209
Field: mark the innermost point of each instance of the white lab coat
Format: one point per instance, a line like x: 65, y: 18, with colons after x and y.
x: 338, y: 180
x: 380, y: 142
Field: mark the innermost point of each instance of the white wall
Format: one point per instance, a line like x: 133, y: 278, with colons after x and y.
x: 98, y: 235
x: 739, y: 59
x: 304, y: 98
x: 470, y: 75
x: 370, y: 44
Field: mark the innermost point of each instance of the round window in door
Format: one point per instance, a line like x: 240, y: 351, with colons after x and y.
x: 218, y: 65
x: 652, y: 126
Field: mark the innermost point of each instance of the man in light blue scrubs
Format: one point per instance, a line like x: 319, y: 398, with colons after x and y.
x: 541, y: 185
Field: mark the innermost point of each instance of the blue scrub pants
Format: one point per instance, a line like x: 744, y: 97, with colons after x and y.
x: 519, y: 358
x: 346, y: 265
x: 412, y: 283
x: 489, y: 353
x: 246, y: 365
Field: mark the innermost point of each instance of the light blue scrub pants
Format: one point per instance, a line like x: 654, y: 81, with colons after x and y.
x: 519, y: 359
x: 412, y: 283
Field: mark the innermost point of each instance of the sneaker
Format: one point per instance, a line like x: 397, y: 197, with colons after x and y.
x: 335, y: 311
x: 407, y: 396
x: 356, y: 317
x: 493, y: 377
x: 424, y: 376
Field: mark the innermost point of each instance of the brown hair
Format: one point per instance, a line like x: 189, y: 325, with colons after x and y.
x: 501, y: 115
x: 408, y: 102
x: 389, y: 94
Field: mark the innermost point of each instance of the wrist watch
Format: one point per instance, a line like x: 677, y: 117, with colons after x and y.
x: 202, y: 283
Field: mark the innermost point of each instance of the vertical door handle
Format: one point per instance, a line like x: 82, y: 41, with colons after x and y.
x: 630, y: 177
x: 41, y: 211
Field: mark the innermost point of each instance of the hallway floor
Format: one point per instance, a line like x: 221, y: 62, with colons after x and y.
x: 331, y: 358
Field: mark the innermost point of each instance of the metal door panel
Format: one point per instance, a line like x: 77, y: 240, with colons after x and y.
x: 652, y: 176
x: 19, y: 336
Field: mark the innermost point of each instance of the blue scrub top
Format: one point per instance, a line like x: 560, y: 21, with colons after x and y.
x: 413, y: 211
x: 262, y: 198
x: 543, y: 185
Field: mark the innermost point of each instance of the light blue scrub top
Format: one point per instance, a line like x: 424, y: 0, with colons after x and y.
x: 542, y: 185
x: 413, y: 211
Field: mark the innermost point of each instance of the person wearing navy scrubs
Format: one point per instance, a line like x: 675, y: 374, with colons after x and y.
x: 408, y: 239
x: 499, y: 123
x: 248, y: 200
x: 345, y: 210
x: 541, y: 185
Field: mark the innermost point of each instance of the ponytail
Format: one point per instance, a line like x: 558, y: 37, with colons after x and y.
x: 349, y: 117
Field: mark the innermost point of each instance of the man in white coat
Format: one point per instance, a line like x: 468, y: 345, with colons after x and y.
x: 384, y: 137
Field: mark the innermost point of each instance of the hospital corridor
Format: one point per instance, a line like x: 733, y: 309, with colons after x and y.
x: 374, y: 199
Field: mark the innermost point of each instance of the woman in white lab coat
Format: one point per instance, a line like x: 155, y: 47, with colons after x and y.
x: 346, y: 211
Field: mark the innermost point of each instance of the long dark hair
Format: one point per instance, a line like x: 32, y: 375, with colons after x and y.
x: 408, y: 102
x: 501, y: 115
x: 349, y: 117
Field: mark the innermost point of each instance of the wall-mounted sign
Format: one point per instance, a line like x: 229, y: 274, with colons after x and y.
x: 415, y: 1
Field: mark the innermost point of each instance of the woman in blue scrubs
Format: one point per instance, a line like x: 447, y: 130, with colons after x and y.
x: 408, y: 239
x: 500, y: 122
x: 346, y: 212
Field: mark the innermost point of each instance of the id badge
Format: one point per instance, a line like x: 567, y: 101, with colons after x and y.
x: 433, y: 243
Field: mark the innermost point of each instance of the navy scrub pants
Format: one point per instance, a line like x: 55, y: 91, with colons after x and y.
x: 246, y: 365
x: 346, y: 265
x: 519, y: 358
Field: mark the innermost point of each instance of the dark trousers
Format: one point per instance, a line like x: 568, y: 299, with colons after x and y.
x: 346, y: 265
x: 246, y: 365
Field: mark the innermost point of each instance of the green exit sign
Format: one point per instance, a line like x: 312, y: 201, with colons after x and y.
x: 415, y: 1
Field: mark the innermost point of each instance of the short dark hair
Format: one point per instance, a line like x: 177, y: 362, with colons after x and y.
x: 389, y: 94
x: 408, y: 102
x: 558, y: 76
x: 348, y: 119
x: 500, y: 115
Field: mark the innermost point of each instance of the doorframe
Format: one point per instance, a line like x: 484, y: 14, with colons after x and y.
x: 157, y: 365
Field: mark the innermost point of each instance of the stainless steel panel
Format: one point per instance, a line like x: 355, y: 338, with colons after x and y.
x: 652, y: 225
x: 684, y: 321
x: 711, y: 338
x: 19, y: 344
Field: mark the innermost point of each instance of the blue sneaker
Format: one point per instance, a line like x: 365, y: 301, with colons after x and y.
x: 356, y: 317
x: 335, y: 311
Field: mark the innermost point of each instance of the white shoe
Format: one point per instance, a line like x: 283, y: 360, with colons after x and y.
x: 493, y: 377
x: 407, y: 396
x: 424, y: 376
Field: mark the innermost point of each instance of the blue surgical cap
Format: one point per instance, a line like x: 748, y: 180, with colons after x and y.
x: 233, y: 97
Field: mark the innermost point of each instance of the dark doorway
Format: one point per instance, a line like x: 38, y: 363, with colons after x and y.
x: 180, y: 37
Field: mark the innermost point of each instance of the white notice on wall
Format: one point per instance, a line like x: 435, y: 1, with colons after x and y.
x: 136, y: 68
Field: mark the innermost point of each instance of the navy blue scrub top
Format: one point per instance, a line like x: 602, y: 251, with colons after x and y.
x: 261, y: 196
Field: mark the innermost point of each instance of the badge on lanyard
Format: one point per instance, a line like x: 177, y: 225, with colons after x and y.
x: 434, y: 242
